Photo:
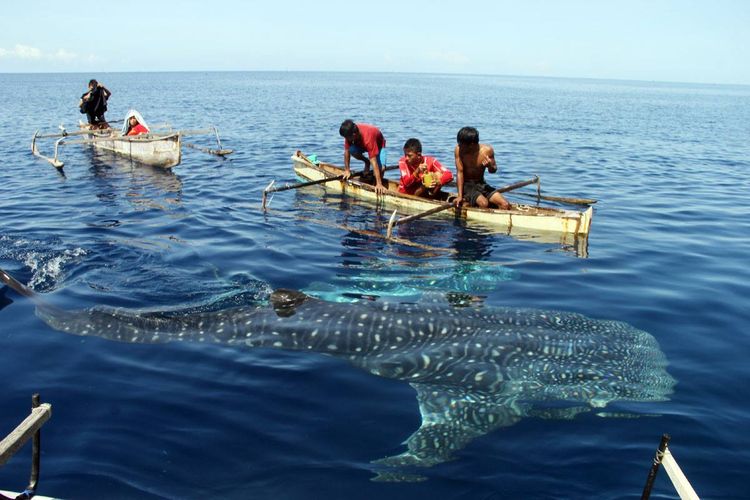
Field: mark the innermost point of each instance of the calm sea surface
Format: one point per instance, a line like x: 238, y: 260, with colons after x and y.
x: 669, y: 254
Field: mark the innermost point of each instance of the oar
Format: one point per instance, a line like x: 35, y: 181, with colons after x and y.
x: 562, y: 199
x: 516, y: 185
x: 445, y: 206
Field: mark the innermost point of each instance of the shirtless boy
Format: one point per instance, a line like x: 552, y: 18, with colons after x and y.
x: 472, y: 159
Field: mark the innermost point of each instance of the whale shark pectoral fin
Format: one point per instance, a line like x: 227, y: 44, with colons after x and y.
x: 285, y: 301
x: 451, y: 418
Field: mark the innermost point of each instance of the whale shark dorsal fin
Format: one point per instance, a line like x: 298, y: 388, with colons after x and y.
x: 285, y: 301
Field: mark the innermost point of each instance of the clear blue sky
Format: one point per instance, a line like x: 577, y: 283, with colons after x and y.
x: 705, y: 41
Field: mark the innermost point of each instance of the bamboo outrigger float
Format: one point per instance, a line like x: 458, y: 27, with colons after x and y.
x: 569, y: 226
x: 158, y: 148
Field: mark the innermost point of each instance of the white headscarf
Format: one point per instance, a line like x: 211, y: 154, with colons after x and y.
x: 126, y: 125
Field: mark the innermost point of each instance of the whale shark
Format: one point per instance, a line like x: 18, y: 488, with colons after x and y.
x: 474, y: 369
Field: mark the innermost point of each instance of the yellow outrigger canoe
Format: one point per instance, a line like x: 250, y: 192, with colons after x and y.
x: 520, y: 216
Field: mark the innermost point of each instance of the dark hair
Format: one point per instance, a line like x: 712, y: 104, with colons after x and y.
x: 413, y: 145
x: 347, y: 128
x: 468, y: 135
x: 93, y: 82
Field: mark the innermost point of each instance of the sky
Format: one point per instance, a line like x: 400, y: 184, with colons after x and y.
x: 698, y: 41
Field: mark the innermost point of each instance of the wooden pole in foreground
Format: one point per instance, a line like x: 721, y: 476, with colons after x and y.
x: 25, y: 430
x: 655, y: 467
x: 30, y: 428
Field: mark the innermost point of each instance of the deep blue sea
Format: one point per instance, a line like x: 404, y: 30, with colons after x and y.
x: 668, y: 254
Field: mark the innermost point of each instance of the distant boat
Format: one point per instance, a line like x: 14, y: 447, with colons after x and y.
x: 159, y: 147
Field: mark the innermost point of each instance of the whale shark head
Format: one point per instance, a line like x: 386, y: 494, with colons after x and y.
x: 474, y: 369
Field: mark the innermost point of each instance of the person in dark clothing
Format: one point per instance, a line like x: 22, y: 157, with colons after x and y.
x: 94, y: 104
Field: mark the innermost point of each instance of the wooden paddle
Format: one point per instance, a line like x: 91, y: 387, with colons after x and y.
x: 540, y: 196
x: 445, y: 206
x: 562, y: 199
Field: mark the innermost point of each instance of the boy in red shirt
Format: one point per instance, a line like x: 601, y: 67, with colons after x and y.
x: 421, y: 175
x: 361, y: 138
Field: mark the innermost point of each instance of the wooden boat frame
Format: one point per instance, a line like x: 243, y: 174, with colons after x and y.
x: 544, y: 224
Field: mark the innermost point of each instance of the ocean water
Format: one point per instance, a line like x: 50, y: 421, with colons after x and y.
x: 668, y: 254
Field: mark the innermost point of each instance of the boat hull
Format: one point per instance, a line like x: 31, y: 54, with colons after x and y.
x: 160, y: 151
x: 567, y: 227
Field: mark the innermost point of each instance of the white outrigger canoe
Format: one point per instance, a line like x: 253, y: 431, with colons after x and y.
x: 544, y: 224
x: 159, y: 148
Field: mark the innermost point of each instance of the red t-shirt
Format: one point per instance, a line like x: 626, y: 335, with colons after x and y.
x: 370, y: 139
x: 410, y: 182
x: 138, y: 129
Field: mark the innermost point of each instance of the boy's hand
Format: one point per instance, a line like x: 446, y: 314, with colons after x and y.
x: 490, y: 164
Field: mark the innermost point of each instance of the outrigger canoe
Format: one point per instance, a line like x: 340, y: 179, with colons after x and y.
x: 158, y: 148
x: 523, y: 220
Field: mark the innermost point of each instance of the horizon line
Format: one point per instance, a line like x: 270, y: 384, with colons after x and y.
x: 376, y: 72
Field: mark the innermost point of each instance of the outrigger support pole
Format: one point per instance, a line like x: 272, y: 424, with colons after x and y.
x: 655, y: 467
x: 217, y: 152
x: 265, y: 194
x: 35, y: 151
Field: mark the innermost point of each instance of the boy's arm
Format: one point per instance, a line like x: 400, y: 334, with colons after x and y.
x: 379, y: 187
x: 407, y: 177
x: 489, y: 160
x: 459, y: 177
x: 347, y: 161
x: 445, y: 175
x: 106, y: 91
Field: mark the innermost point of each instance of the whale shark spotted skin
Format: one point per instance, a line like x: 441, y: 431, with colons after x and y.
x: 474, y: 369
